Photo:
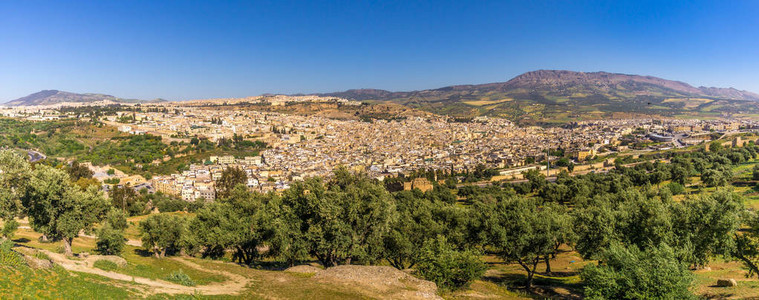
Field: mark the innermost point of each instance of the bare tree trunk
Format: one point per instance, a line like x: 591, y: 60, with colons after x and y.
x: 67, y: 246
x: 548, y: 264
x: 43, y: 238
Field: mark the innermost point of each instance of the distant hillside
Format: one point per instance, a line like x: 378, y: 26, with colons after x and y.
x: 553, y: 95
x: 50, y: 97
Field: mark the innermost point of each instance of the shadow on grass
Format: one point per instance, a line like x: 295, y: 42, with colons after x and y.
x: 543, y: 286
x: 22, y: 240
x: 143, y: 252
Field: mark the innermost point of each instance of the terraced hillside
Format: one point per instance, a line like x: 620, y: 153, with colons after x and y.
x: 551, y: 96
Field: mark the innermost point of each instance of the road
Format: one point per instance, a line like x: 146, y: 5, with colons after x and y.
x: 35, y: 156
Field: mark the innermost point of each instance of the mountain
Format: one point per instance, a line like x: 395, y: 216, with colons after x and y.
x: 556, y: 95
x: 50, y: 97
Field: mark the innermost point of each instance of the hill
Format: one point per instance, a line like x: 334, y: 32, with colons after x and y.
x: 558, y: 96
x: 51, y: 97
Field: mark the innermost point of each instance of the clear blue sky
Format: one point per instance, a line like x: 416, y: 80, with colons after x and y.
x: 201, y: 49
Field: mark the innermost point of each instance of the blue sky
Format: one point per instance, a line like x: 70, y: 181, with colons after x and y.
x: 202, y: 49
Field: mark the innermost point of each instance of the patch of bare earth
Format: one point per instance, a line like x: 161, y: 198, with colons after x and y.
x: 379, y: 282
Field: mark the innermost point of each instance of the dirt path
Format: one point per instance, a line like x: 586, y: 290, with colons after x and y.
x: 234, y: 284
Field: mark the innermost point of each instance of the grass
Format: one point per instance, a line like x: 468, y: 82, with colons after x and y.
x: 142, y: 264
x: 180, y: 278
x: 57, y: 283
x: 106, y: 265
x: 139, y: 262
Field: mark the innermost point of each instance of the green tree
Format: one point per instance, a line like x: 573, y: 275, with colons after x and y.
x: 162, y: 233
x: 560, y: 230
x: 449, y: 268
x: 631, y: 273
x: 718, y: 176
x: 705, y: 226
x: 77, y: 171
x: 520, y: 233
x: 14, y: 180
x: 344, y: 219
x: 110, y: 240
x: 594, y: 226
x: 414, y: 224
x: 715, y: 146
x: 230, y: 177
x: 238, y: 222
x: 126, y: 199
x: 59, y: 209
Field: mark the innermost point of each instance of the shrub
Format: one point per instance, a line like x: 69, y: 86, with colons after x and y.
x: 41, y: 255
x: 180, y: 278
x: 8, y: 257
x: 9, y: 228
x: 448, y: 268
x: 110, y: 241
x: 105, y: 265
x: 676, y: 188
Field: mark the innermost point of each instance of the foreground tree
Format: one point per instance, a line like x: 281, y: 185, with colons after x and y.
x: 59, y: 209
x: 340, y: 221
x: 162, y: 233
x: 705, y: 226
x: 14, y: 180
x: 238, y: 223
x: 520, y: 233
x: 449, y: 268
x: 560, y: 230
x: 414, y: 224
x: 631, y: 273
x: 111, y: 239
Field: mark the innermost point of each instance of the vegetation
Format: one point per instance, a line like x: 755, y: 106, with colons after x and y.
x: 106, y: 265
x: 447, y: 267
x: 60, y: 209
x: 180, y: 278
x: 631, y: 273
x: 639, y: 228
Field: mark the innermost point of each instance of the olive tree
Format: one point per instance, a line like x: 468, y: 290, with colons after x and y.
x: 344, y: 219
x: 59, y: 209
x: 14, y: 179
x: 239, y: 222
x: 521, y: 233
x: 162, y: 232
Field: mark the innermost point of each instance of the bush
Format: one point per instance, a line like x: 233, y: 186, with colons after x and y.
x: 448, y: 268
x: 676, y: 188
x: 110, y: 241
x: 631, y: 273
x: 10, y: 258
x: 9, y: 228
x: 41, y: 255
x: 105, y: 265
x: 180, y: 278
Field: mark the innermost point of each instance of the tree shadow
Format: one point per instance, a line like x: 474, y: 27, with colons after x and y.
x: 21, y: 240
x: 543, y: 287
x: 143, y: 252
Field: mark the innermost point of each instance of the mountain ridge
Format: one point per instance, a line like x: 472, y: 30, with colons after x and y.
x: 51, y: 97
x: 556, y: 78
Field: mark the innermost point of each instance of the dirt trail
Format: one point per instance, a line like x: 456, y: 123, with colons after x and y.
x: 234, y: 284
